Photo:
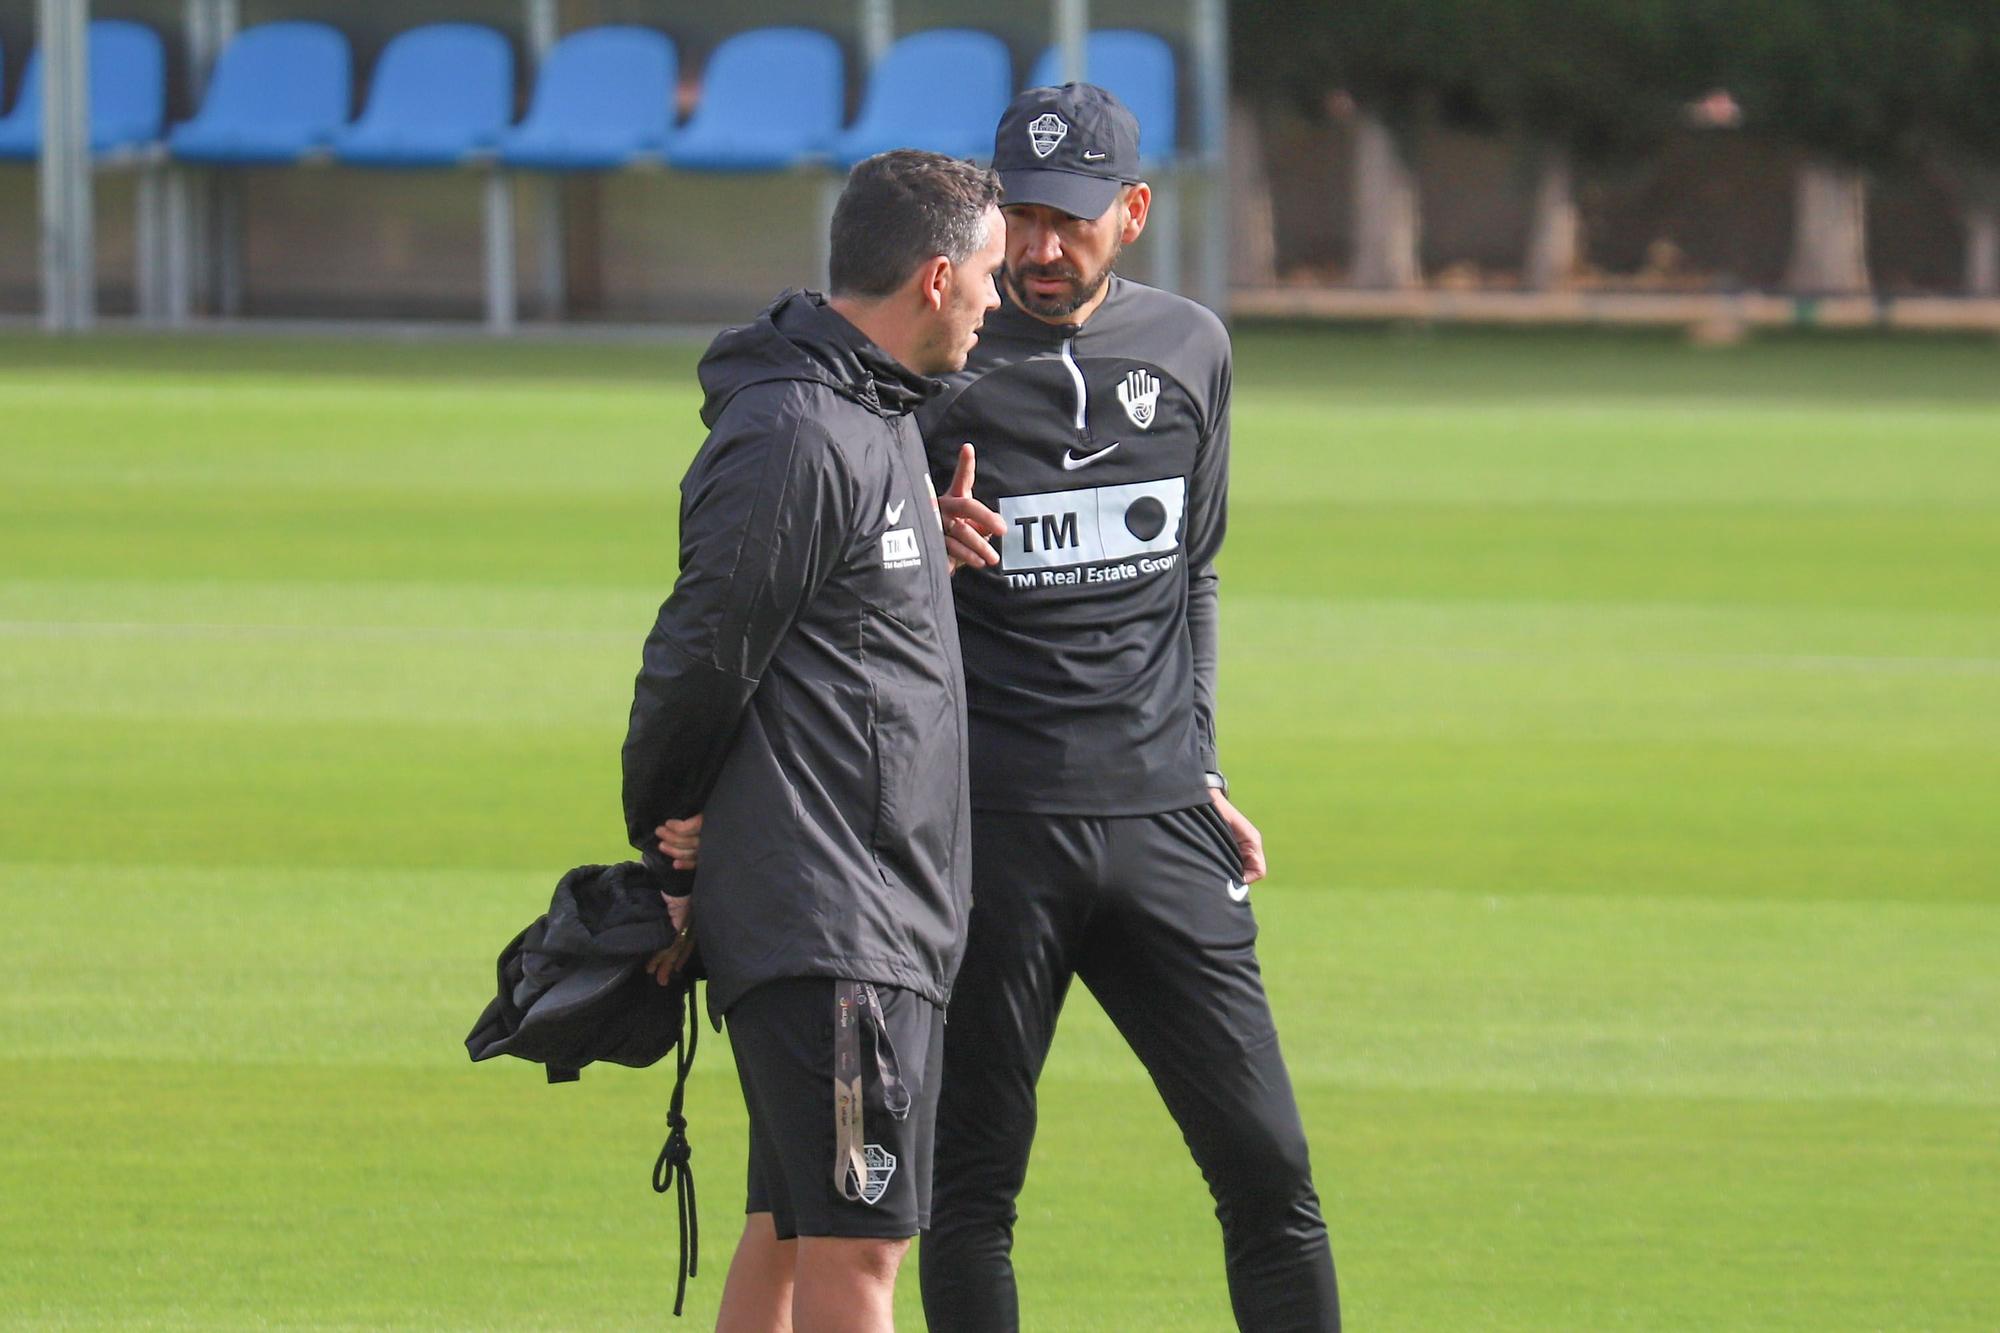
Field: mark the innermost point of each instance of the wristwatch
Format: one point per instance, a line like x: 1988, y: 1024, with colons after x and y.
x: 1216, y: 782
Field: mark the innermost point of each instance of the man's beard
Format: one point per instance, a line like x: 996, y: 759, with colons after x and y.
x: 1080, y: 293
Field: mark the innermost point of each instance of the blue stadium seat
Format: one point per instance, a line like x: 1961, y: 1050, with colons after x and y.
x: 1139, y: 68
x: 280, y: 91
x: 21, y: 129
x: 441, y: 94
x: 770, y: 99
x: 128, y: 94
x: 604, y: 97
x: 942, y: 90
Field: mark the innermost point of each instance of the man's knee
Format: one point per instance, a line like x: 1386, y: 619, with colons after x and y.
x: 854, y: 1258
x: 975, y: 1194
x: 979, y: 1171
x: 971, y: 1219
x: 1264, y: 1173
x: 846, y: 1284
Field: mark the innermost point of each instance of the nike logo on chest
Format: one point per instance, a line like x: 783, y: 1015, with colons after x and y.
x: 1072, y: 460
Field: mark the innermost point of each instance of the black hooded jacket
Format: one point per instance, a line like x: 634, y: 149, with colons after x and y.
x: 802, y: 688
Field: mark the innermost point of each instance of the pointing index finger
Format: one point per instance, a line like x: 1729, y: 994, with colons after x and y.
x: 961, y: 480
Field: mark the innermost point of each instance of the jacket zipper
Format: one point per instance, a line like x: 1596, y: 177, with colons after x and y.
x: 1082, y: 394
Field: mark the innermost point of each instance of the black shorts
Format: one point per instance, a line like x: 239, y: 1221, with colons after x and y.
x: 783, y: 1034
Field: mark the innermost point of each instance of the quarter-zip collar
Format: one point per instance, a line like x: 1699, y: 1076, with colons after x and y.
x: 1010, y: 320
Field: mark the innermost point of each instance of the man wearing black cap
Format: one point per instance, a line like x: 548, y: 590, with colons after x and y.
x: 1104, y: 843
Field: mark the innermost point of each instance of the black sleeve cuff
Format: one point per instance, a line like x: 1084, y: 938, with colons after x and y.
x: 674, y: 883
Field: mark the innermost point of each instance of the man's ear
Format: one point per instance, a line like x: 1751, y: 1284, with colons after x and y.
x: 1138, y: 204
x: 934, y: 282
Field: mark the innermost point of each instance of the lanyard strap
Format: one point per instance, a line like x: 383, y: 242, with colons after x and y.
x: 853, y: 1003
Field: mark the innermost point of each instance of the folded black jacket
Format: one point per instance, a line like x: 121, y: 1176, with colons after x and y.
x: 573, y: 988
x: 802, y: 686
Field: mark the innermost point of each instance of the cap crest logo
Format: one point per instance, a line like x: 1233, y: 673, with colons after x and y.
x: 1045, y: 132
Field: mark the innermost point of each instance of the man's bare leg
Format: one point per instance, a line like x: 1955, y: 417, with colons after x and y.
x: 757, y: 1294
x: 846, y: 1285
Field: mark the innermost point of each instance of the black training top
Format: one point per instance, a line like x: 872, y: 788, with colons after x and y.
x: 1090, y: 651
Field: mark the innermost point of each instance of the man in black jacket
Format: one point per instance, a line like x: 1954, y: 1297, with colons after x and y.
x: 1105, y: 846
x: 800, y: 714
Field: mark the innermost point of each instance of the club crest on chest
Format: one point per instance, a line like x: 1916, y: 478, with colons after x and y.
x: 1139, y: 394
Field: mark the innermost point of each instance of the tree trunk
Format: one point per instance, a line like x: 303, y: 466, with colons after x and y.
x: 1555, y: 236
x: 1982, y: 250
x: 1253, y: 228
x: 1385, y: 210
x: 1829, y: 232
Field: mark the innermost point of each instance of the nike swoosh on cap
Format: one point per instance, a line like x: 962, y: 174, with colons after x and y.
x: 1094, y: 156
x: 1073, y: 460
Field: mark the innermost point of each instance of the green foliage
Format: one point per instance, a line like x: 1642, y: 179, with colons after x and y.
x: 1397, y: 57
x: 1859, y: 81
x: 1958, y: 104
x: 1597, y: 79
x: 1840, y: 78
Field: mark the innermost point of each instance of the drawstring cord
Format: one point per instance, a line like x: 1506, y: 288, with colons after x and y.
x: 671, y: 1169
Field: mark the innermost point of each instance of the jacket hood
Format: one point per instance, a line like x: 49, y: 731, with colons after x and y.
x: 800, y: 337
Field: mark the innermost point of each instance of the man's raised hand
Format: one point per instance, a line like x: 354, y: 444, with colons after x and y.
x: 968, y: 523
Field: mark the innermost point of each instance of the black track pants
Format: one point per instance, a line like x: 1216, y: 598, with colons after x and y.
x: 1146, y: 910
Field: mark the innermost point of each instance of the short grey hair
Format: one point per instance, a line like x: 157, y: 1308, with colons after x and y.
x: 902, y: 208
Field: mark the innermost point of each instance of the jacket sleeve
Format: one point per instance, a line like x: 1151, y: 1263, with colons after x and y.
x: 765, y: 513
x: 1208, y: 517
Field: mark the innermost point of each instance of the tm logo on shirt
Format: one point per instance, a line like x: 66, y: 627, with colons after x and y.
x: 900, y: 549
x: 1052, y: 537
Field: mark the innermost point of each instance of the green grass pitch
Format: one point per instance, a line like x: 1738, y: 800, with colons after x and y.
x: 1624, y: 719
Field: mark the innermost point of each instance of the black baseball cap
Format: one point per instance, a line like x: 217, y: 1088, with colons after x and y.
x: 1069, y: 148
